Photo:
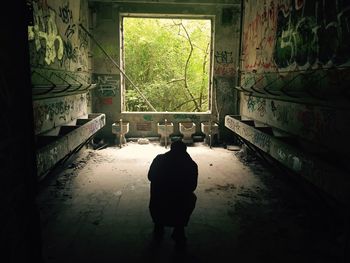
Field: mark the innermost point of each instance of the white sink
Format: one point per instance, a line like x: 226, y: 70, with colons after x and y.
x: 120, y: 131
x: 209, y: 132
x: 187, y: 129
x: 165, y: 129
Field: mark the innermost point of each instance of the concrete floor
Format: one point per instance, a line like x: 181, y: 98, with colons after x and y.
x: 96, y: 210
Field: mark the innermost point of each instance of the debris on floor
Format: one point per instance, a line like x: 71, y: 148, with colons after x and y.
x: 143, y: 141
x: 96, y: 210
x: 245, y: 155
x: 233, y: 147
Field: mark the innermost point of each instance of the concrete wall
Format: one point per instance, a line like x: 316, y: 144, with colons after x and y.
x: 107, y: 96
x: 59, y: 55
x: 324, y: 126
x: 60, y: 64
x: 295, y: 69
x: 294, y: 78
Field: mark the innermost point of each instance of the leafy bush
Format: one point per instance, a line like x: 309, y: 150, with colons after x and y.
x: 168, y: 60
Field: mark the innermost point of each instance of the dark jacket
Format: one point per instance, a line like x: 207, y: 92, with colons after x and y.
x: 173, y: 177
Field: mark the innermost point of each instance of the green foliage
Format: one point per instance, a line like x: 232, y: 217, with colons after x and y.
x: 168, y: 60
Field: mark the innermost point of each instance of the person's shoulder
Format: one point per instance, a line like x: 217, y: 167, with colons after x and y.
x: 159, y: 156
x: 191, y: 160
x: 194, y: 164
x: 189, y: 156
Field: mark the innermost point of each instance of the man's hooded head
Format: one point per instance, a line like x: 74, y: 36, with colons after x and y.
x: 178, y: 147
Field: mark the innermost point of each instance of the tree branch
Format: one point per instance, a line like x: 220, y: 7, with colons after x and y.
x: 183, y: 103
x: 186, y: 67
x: 203, y: 73
x: 175, y: 80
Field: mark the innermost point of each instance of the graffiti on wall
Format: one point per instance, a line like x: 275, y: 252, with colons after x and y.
x: 250, y: 80
x: 283, y: 33
x: 259, y: 34
x: 54, y: 37
x: 318, y: 124
x: 106, y: 100
x: 262, y: 140
x: 65, y: 13
x: 71, y: 47
x: 313, y: 32
x: 44, y: 33
x: 281, y: 113
x: 256, y: 104
x: 107, y: 85
x: 223, y: 57
x: 96, y: 124
x: 83, y: 38
x: 49, y: 114
x: 224, y: 64
x: 82, y: 35
x: 148, y: 117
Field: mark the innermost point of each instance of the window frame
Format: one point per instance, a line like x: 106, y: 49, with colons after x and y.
x: 211, y: 18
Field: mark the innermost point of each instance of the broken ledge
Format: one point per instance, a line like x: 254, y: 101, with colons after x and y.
x: 57, y: 144
x: 325, y: 176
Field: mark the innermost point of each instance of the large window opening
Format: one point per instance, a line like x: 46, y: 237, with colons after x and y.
x: 169, y: 61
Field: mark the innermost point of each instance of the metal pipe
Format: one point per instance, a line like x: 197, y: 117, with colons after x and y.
x: 243, y: 90
x: 116, y: 64
x: 50, y: 88
x: 66, y: 88
x: 271, y: 93
x: 79, y: 86
x: 120, y: 134
x: 257, y: 90
x: 292, y: 71
x: 210, y: 132
x: 165, y: 137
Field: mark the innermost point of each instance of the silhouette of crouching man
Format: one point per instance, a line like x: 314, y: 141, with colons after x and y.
x: 173, y: 177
